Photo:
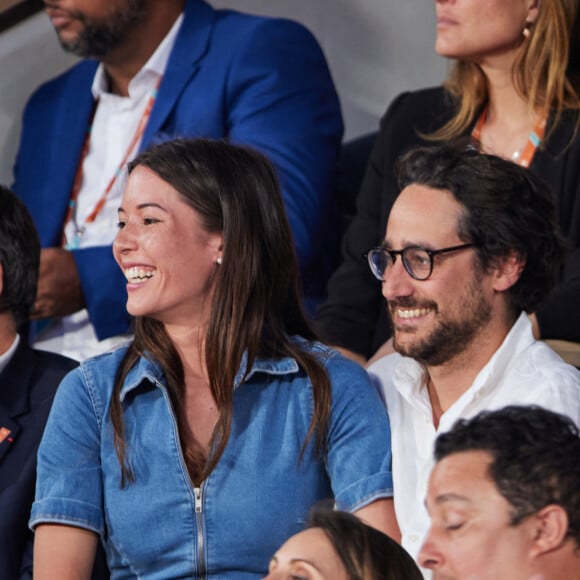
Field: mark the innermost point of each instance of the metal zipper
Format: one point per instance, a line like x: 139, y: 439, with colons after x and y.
x: 198, y: 492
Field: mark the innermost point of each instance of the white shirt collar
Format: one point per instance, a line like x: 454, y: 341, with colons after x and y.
x: 153, y: 68
x: 6, y: 357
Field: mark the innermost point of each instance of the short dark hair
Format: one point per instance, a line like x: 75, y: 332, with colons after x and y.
x: 506, y: 208
x: 535, y: 458
x: 365, y: 553
x: 19, y: 257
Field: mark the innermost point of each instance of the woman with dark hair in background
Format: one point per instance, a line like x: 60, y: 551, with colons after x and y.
x: 197, y: 449
x: 511, y: 88
x: 338, y: 546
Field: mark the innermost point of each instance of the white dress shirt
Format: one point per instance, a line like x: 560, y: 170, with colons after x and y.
x: 523, y: 371
x: 114, y: 125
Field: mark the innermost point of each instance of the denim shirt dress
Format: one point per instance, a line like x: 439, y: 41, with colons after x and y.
x: 259, y: 494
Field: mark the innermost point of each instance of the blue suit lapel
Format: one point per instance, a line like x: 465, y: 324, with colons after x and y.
x: 190, y: 47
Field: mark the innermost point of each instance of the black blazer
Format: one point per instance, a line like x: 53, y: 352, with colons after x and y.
x: 27, y: 387
x: 354, y: 315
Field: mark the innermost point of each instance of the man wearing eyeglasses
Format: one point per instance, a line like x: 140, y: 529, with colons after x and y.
x: 471, y: 247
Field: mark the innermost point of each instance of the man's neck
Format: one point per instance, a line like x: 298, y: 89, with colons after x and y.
x: 123, y: 63
x: 448, y: 381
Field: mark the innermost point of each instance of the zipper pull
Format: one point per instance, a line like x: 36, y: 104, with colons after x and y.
x: 197, y: 493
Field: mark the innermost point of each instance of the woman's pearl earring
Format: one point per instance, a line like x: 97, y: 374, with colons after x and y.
x: 219, y: 261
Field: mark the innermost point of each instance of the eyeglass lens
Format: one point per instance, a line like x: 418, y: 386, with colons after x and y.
x: 416, y: 261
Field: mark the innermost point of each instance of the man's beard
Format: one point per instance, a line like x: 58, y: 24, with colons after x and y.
x: 450, y: 337
x: 98, y: 38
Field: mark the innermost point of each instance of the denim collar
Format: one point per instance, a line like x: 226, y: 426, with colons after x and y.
x: 149, y: 370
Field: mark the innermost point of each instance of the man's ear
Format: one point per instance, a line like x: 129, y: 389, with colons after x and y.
x: 507, y: 270
x: 549, y: 528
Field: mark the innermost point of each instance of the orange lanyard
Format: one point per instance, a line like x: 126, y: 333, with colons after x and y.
x: 525, y: 155
x: 72, y: 204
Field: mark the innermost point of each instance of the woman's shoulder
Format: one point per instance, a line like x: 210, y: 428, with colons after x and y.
x: 436, y: 94
x: 105, y: 361
x: 409, y: 117
x: 429, y: 106
x: 346, y: 376
x: 326, y: 355
x: 313, y: 346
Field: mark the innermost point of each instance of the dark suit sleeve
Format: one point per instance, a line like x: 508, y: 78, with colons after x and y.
x: 559, y: 317
x: 559, y: 164
x: 26, y: 570
x: 282, y: 101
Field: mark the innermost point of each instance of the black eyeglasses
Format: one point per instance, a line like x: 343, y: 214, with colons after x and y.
x: 418, y: 262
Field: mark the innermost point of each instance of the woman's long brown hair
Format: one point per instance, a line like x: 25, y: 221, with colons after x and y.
x: 256, y: 303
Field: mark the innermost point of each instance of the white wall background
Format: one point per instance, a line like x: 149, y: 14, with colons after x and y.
x: 375, y: 49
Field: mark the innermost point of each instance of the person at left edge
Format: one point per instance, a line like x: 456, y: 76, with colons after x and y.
x: 199, y: 448
x: 253, y: 80
x: 28, y: 381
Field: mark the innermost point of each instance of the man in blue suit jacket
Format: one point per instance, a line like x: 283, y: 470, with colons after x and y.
x: 28, y: 381
x: 259, y: 81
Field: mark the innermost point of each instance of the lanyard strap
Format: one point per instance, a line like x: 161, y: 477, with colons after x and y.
x: 524, y: 156
x: 72, y: 204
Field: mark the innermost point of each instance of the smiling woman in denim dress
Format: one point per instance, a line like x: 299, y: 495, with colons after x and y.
x: 199, y: 448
